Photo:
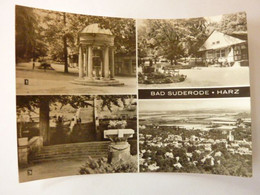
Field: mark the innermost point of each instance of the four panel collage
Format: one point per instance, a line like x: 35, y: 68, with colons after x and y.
x: 99, y: 94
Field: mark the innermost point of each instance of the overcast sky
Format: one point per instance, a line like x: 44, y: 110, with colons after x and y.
x: 239, y: 104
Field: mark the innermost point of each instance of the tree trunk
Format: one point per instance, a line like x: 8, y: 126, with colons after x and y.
x: 44, y: 120
x: 65, y: 51
x: 175, y: 61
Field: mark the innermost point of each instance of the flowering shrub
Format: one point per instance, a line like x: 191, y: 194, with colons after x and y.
x: 102, y: 166
x: 116, y: 124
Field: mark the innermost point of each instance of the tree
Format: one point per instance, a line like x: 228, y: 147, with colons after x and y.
x: 61, y: 32
x: 57, y: 34
x: 196, y: 36
x: 233, y: 22
x: 172, y: 38
x: 44, y: 102
x: 29, y: 41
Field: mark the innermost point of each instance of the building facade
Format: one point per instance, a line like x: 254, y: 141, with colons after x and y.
x: 125, y: 65
x: 224, y: 49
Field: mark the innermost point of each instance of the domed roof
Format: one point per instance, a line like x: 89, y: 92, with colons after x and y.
x: 94, y: 28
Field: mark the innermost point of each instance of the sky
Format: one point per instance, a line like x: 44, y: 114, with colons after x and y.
x: 239, y: 104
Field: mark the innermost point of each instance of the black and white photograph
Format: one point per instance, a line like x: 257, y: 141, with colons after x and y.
x: 64, y: 53
x: 209, y: 136
x: 194, y: 52
x: 62, y: 135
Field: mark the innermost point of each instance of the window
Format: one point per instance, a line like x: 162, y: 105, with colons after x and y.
x: 240, y: 52
x: 133, y: 66
x: 243, y: 47
x: 218, y: 53
x: 237, y: 57
x: 222, y: 53
x: 210, y: 54
x: 217, y: 42
x: 213, y: 43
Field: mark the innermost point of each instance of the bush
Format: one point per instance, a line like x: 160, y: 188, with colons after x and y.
x: 167, y: 80
x: 101, y: 165
x: 159, y: 78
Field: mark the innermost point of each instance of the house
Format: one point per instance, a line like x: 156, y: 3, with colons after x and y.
x: 224, y: 49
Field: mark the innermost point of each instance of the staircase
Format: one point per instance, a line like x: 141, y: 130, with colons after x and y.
x: 72, y: 151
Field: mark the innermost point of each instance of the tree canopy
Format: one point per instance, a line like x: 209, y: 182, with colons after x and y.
x: 171, y: 38
x: 56, y: 33
x: 29, y: 42
x: 44, y: 102
x: 231, y: 23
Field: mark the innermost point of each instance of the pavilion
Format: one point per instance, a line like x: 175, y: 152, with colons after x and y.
x: 96, y: 57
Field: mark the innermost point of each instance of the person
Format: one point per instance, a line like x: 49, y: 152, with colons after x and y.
x: 59, y: 119
x: 79, y: 120
x: 72, y: 123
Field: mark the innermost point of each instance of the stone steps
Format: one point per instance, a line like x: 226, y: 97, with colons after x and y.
x: 66, y: 158
x: 105, y: 82
x: 72, y: 151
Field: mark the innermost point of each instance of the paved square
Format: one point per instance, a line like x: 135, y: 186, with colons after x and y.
x: 56, y: 82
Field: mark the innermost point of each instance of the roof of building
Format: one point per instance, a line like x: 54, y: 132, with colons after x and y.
x: 96, y: 29
x: 219, y: 40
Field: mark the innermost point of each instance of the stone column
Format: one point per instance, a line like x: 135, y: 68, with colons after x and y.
x: 106, y: 63
x: 84, y: 61
x: 119, y: 148
x: 103, y: 63
x: 90, y: 62
x: 112, y: 63
x: 118, y: 151
x: 80, y: 63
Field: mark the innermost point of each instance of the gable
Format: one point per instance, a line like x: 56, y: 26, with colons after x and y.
x: 219, y: 40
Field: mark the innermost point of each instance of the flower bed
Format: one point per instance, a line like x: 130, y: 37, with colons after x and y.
x: 159, y: 78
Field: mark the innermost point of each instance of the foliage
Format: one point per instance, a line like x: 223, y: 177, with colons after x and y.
x: 109, y: 100
x: 159, y: 78
x: 178, y: 38
x: 101, y: 165
x: 231, y: 23
x: 171, y: 38
x: 44, y: 32
x: 116, y: 124
x: 29, y: 41
x: 32, y: 102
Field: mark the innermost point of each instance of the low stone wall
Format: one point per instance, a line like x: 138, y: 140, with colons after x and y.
x: 23, y: 151
x: 25, y: 147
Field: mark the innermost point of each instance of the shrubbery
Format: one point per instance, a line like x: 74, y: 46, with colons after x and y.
x: 159, y: 78
x: 101, y: 165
